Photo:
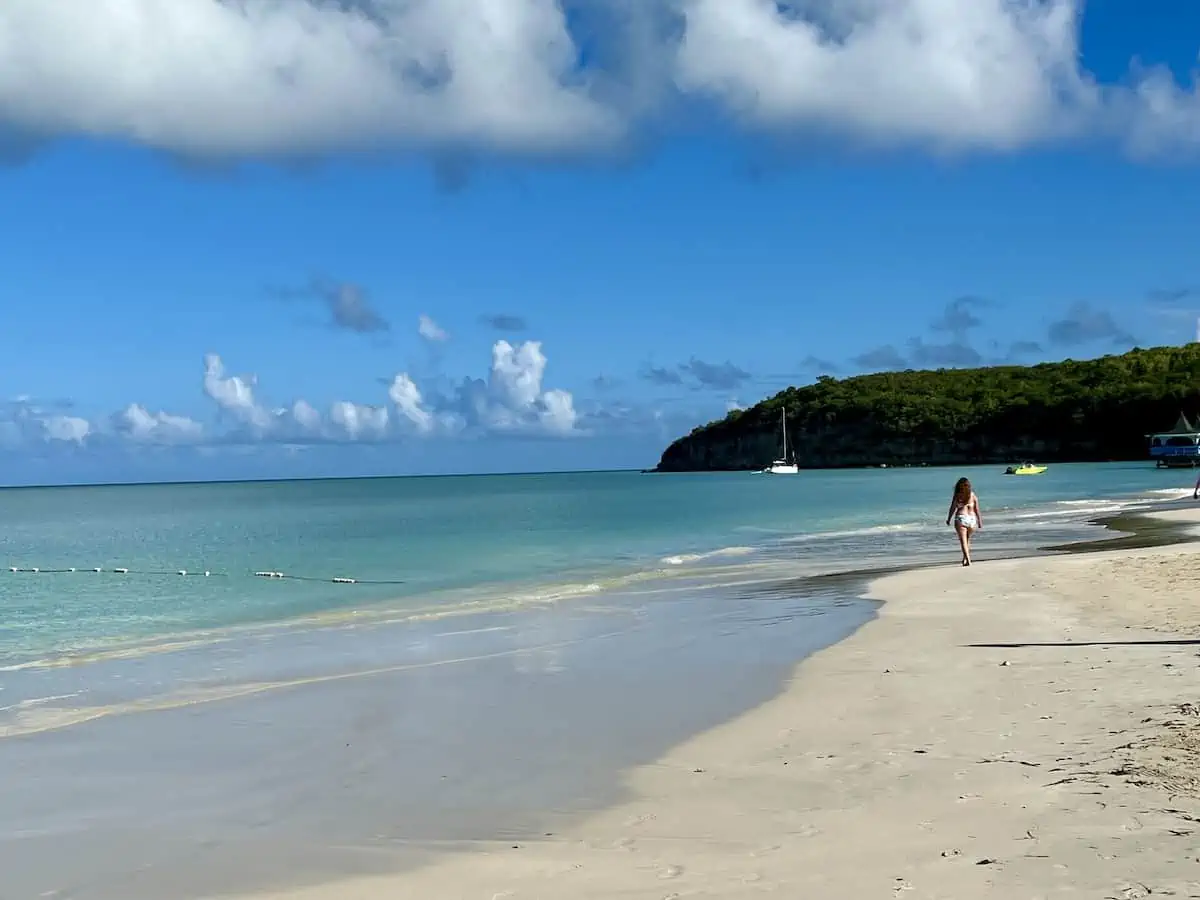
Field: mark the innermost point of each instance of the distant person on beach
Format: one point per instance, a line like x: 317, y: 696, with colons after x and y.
x: 964, y: 513
x: 1196, y: 491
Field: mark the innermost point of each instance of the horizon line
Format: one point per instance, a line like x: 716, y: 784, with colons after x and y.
x: 219, y: 481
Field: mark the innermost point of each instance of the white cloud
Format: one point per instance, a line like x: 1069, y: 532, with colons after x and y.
x: 406, y: 396
x: 286, y: 77
x: 209, y: 77
x: 430, y: 330
x: 513, y: 400
x: 23, y: 420
x: 306, y: 416
x: 359, y: 422
x: 234, y: 395
x: 68, y: 429
x: 142, y: 426
x: 302, y: 422
x: 510, y: 401
x: 984, y: 73
x: 516, y: 378
x: 557, y: 414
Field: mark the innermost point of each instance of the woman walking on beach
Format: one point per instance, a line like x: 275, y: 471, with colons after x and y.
x: 964, y: 513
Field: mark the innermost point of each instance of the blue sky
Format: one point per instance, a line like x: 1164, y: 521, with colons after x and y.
x: 220, y: 270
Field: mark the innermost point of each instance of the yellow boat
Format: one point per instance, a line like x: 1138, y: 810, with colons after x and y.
x: 1025, y: 469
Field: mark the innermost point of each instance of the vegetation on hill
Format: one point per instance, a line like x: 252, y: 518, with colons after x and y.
x: 1099, y: 409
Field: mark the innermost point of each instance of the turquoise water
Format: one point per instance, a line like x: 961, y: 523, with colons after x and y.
x: 438, y: 544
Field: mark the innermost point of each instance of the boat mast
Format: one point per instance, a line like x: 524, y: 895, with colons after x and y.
x: 783, y: 425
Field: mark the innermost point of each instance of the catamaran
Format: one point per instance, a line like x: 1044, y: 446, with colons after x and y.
x: 785, y: 465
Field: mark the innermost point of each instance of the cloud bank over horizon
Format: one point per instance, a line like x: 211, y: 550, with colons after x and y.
x: 215, y: 79
x: 510, y: 401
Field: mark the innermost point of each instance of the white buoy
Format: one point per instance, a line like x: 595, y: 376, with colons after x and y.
x: 183, y: 571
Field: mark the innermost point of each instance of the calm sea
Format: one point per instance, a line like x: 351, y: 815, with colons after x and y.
x: 443, y: 546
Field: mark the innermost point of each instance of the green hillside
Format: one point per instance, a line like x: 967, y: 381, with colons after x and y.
x: 1098, y: 409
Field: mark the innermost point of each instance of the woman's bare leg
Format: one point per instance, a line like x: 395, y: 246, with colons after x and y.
x: 970, y: 535
x: 964, y: 543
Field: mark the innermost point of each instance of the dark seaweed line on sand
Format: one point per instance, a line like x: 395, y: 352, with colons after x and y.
x: 1136, y: 531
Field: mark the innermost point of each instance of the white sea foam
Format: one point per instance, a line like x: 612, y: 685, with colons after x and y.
x: 1169, y: 494
x: 39, y: 701
x: 685, y: 558
x: 1078, y: 508
x: 866, y: 531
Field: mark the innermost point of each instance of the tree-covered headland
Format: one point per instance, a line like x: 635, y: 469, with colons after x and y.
x: 1090, y: 410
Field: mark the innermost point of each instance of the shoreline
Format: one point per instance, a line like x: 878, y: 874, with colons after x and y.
x: 965, y: 760
x: 1163, y: 526
x: 1144, y: 528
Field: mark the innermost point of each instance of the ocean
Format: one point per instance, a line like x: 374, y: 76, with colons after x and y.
x: 445, y: 546
x: 524, y: 637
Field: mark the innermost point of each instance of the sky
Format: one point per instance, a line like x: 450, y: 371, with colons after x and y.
x: 291, y: 238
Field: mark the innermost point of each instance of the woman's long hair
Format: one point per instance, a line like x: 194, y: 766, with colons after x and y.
x: 962, y: 491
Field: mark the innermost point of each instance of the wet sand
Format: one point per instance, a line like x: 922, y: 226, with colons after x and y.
x: 1025, y: 728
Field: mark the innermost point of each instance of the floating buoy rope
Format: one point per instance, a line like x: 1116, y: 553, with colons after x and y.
x: 189, y: 573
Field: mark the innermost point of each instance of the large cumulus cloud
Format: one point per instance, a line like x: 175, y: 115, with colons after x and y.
x: 255, y: 78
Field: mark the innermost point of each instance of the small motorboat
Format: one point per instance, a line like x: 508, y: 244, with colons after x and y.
x: 1026, y: 468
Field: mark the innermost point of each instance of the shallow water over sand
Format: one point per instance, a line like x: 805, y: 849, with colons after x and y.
x: 433, y: 738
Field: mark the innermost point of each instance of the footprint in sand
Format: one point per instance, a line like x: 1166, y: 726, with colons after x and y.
x: 640, y: 820
x: 804, y: 831
x: 671, y: 872
x: 1132, y: 892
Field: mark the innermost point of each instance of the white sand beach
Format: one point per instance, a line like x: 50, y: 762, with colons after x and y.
x: 1023, y: 728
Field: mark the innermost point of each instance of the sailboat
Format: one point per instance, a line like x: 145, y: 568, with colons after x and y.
x: 784, y: 465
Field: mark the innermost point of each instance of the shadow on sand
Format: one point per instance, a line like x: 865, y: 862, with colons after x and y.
x: 1024, y: 644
